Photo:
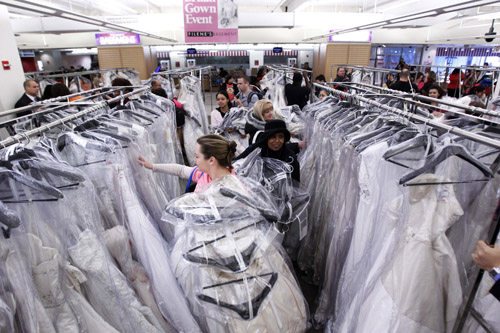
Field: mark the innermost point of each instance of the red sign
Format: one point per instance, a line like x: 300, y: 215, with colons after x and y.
x: 5, y: 65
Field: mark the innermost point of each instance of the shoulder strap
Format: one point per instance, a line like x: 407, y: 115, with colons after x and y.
x: 191, y: 177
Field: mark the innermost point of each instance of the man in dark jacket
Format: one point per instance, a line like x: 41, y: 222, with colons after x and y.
x: 404, y: 83
x: 488, y: 258
x: 30, y: 95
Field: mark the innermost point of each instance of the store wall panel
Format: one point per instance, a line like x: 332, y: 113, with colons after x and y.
x: 335, y: 54
x: 359, y: 54
x: 134, y: 57
x: 117, y: 57
x: 109, y: 57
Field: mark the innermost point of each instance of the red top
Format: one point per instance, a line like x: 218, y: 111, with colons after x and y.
x: 230, y: 91
x: 454, y: 81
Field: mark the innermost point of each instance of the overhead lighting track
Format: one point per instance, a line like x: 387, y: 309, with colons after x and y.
x: 69, y: 15
x: 410, y: 17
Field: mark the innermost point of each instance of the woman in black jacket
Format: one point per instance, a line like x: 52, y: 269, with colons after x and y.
x: 273, y: 145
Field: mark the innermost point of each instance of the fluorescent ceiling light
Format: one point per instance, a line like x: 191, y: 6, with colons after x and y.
x: 27, y: 6
x: 426, y: 13
x: 466, y: 5
x: 412, y: 17
x: 19, y: 16
x: 397, y: 5
x: 112, y: 5
x: 66, y: 14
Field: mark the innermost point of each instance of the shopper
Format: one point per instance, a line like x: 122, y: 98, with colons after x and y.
x: 341, y: 77
x: 454, y: 86
x: 213, y: 157
x: 47, y: 92
x: 436, y: 92
x: 323, y: 93
x: 419, y: 81
x: 404, y: 83
x: 155, y: 84
x: 219, y: 113
x: 261, y: 73
x: 120, y: 82
x: 477, y: 93
x: 273, y: 145
x: 389, y: 80
x: 320, y: 79
x: 488, y: 258
x: 230, y: 88
x: 245, y: 98
x: 30, y: 95
x: 296, y: 94
x: 223, y: 73
x: 263, y: 111
x: 430, y: 79
x: 59, y: 90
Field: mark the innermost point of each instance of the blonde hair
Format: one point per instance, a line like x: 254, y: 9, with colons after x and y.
x: 260, y: 106
x: 218, y: 147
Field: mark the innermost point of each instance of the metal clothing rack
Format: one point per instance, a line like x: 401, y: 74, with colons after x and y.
x: 63, y: 98
x: 64, y: 75
x: 67, y: 76
x: 418, y: 97
x: 177, y: 73
x: 467, y: 306
x: 37, y: 131
x: 364, y: 69
x: 411, y: 116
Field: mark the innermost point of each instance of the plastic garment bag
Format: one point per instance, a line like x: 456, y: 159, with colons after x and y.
x: 124, y: 207
x: 152, y: 252
x: 292, y: 201
x: 275, y: 85
x: 196, y: 123
x: 229, y: 264
x: 232, y: 128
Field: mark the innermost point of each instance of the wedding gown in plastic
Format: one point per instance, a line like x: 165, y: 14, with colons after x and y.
x: 420, y: 290
x: 229, y: 265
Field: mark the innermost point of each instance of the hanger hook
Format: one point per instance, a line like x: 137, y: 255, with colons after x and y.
x: 27, y: 137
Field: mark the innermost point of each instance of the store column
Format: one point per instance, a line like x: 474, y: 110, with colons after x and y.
x: 11, y: 70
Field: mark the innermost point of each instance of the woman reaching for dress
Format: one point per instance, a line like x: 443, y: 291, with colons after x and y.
x: 213, y: 156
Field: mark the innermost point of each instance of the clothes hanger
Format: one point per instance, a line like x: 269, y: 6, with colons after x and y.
x: 422, y: 140
x: 243, y: 309
x: 29, y: 182
x: 268, y: 214
x: 440, y: 156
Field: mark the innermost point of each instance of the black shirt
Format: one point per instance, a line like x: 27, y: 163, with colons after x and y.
x: 404, y: 86
x: 297, y: 95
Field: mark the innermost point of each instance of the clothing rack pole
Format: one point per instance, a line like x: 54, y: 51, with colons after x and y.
x: 467, y: 306
x: 451, y: 129
x: 26, y: 135
x: 61, y: 98
x: 65, y: 75
x: 423, y: 98
x: 47, y: 101
x: 418, y: 103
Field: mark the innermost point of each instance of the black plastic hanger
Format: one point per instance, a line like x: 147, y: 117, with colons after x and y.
x: 440, y: 156
x: 243, y: 309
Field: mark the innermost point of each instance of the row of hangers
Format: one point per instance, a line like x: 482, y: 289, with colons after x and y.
x: 407, y: 137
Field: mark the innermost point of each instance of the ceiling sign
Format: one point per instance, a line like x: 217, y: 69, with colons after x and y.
x: 356, y: 36
x: 207, y: 21
x: 118, y: 38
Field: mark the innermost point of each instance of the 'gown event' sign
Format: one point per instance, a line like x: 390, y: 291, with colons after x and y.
x: 207, y: 21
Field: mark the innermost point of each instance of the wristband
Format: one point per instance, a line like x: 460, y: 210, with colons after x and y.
x: 495, y: 273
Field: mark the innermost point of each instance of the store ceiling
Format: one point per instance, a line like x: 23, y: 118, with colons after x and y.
x: 261, y: 22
